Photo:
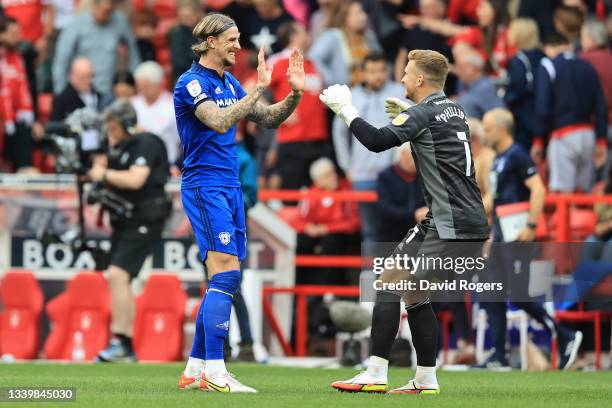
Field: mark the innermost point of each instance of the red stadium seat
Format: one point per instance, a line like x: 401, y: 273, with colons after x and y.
x: 45, y: 101
x: 20, y: 320
x: 160, y: 314
x: 83, y: 307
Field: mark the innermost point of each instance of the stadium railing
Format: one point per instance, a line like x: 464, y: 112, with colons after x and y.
x: 559, y: 220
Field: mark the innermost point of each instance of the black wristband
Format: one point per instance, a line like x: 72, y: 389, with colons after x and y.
x: 532, y: 225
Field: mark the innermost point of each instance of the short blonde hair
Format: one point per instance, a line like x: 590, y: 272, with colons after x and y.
x: 432, y: 64
x: 525, y: 33
x: 213, y: 24
x: 502, y: 118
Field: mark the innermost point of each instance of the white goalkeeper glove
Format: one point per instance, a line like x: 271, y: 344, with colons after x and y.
x: 395, y: 106
x: 339, y: 99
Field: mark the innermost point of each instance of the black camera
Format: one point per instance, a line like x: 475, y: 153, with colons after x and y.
x: 73, y: 141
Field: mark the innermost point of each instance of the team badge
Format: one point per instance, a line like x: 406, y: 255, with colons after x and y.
x: 224, y: 237
x: 232, y: 88
x: 400, y: 119
x: 194, y: 88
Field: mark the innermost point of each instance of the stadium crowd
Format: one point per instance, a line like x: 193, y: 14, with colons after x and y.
x: 546, y: 61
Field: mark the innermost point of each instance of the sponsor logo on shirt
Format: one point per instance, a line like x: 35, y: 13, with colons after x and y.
x: 218, y: 91
x: 226, y: 102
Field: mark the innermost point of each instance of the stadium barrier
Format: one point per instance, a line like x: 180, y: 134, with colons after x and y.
x: 562, y: 217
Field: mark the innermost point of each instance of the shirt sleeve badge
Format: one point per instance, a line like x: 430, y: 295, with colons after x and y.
x: 194, y: 88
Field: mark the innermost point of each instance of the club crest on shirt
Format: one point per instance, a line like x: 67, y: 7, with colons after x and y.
x: 224, y: 237
x: 400, y: 119
x: 194, y: 88
x: 232, y: 88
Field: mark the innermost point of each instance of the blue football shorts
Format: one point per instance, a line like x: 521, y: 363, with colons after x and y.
x: 217, y: 217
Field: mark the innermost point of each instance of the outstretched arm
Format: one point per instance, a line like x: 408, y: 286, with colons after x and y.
x: 272, y: 116
x: 221, y: 120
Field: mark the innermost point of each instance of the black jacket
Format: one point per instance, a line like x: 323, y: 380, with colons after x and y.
x: 67, y: 102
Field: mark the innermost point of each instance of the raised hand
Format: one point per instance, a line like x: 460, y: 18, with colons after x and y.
x: 336, y: 97
x: 395, y: 106
x: 264, y: 72
x: 295, y: 72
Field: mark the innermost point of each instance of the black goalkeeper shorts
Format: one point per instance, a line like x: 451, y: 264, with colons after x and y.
x: 130, y: 246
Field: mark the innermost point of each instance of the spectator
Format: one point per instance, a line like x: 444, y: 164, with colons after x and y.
x: 320, y: 18
x: 325, y: 225
x: 358, y: 163
x: 155, y: 107
x: 341, y: 49
x: 599, y: 245
x: 400, y: 199
x: 479, y: 93
x: 260, y: 27
x: 35, y: 17
x: 64, y: 13
x: 124, y: 85
x: 144, y: 23
x: 568, y: 97
x: 595, y: 50
x: 180, y: 37
x: 15, y: 100
x: 96, y: 35
x: 542, y: 12
x: 568, y: 22
x: 420, y: 38
x: 514, y: 179
x: 489, y: 37
x: 482, y: 153
x: 303, y: 137
x: 520, y: 88
x: 79, y: 92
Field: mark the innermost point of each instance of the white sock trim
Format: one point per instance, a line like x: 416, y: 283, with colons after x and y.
x: 378, y: 367
x: 194, y: 367
x: 214, y: 367
x: 426, y: 375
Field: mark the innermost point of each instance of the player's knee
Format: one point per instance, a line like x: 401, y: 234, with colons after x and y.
x: 118, y: 276
x: 227, y: 282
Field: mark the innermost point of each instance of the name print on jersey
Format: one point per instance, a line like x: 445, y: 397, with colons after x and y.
x: 450, y: 112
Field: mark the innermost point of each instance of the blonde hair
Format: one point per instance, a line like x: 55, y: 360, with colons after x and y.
x: 432, y: 64
x: 502, y: 118
x: 525, y: 33
x: 212, y: 25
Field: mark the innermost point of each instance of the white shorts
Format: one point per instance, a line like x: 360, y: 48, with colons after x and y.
x: 571, y: 161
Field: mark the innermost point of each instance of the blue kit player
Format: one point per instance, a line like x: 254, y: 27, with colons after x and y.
x: 208, y: 102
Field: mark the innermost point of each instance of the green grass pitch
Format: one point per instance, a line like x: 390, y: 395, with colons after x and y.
x: 151, y: 386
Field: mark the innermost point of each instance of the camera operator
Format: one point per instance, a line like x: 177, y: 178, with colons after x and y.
x: 136, y: 170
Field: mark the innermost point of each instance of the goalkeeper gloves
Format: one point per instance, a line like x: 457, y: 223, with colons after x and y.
x: 395, y: 106
x: 338, y: 98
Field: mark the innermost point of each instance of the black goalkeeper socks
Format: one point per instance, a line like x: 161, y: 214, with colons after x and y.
x: 424, y: 328
x: 385, y: 323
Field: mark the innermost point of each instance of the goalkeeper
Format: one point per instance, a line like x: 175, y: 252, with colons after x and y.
x: 437, y: 129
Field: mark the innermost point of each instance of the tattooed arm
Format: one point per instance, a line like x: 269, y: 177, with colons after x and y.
x: 272, y: 116
x: 221, y: 120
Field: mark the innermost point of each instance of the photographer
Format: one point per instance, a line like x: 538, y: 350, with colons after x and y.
x: 136, y: 170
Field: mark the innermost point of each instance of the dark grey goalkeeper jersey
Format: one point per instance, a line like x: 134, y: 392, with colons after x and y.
x: 440, y: 138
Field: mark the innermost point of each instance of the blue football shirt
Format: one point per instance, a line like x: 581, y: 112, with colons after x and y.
x: 509, y: 171
x: 210, y: 159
